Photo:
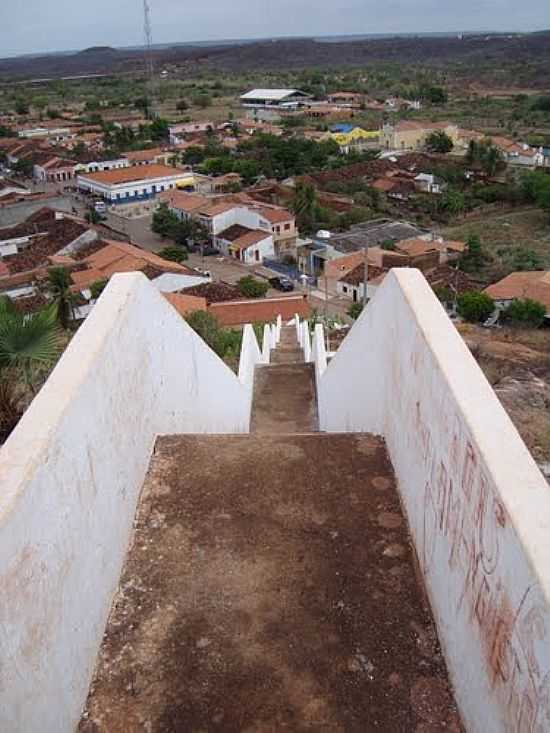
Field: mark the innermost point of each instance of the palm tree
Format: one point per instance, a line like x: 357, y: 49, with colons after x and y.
x: 27, y: 341
x: 305, y: 205
x: 60, y: 288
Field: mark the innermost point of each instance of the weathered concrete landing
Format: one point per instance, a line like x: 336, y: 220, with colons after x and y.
x: 270, y: 587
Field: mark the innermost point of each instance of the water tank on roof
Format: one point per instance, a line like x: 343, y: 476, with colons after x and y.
x: 323, y: 234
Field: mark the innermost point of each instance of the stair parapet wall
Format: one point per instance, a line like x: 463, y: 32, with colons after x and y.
x: 70, y: 477
x: 477, y: 504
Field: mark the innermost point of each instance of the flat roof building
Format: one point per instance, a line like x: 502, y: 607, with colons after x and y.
x: 135, y: 183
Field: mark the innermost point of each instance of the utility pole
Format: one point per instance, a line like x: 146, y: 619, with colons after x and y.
x: 366, y: 274
x: 149, y: 63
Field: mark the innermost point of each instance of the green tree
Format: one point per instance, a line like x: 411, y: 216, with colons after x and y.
x: 24, y: 167
x: 174, y: 254
x: 182, y: 105
x: 526, y: 312
x: 249, y: 287
x: 59, y: 285
x: 475, y: 307
x: 21, y: 107
x: 475, y: 257
x: 6, y: 131
x: 439, y: 142
x: 164, y: 221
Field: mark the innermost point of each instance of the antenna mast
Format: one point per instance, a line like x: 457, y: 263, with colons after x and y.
x: 149, y: 62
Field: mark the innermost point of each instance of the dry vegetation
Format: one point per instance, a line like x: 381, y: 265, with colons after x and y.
x: 517, y: 364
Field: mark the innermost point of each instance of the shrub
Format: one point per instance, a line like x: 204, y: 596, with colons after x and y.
x: 97, y: 288
x: 249, y: 287
x: 174, y: 254
x: 475, y: 307
x: 225, y: 342
x: 355, y: 310
x: 525, y: 312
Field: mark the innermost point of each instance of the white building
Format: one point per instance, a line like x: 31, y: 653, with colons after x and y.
x: 128, y: 185
x: 250, y: 246
x: 268, y: 104
x: 95, y: 166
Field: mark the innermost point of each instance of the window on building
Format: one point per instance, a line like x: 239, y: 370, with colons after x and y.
x: 287, y: 227
x: 344, y: 288
x: 278, y: 230
x: 257, y: 255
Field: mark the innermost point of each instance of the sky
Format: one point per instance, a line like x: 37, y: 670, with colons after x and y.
x: 34, y: 26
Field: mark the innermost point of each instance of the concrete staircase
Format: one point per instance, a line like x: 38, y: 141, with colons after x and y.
x: 285, y: 399
x: 271, y: 585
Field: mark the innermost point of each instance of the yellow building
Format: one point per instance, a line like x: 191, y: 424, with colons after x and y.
x: 355, y: 139
x: 411, y: 135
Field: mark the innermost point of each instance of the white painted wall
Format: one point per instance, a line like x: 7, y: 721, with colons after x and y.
x: 70, y: 476
x: 250, y: 357
x: 477, y: 505
x: 125, y: 193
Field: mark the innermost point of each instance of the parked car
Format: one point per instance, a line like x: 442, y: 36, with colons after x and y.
x: 209, y: 251
x: 281, y: 283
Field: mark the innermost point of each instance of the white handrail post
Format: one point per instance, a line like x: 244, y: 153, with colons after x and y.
x: 319, y: 348
x: 273, y: 333
x: 297, y: 324
x: 279, y: 326
x: 305, y: 341
x: 266, y: 345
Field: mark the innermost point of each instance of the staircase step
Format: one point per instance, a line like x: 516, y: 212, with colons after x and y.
x: 287, y: 356
x: 285, y: 399
x: 270, y: 586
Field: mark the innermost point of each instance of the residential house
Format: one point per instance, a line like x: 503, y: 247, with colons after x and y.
x: 336, y: 269
x: 429, y: 183
x: 395, y: 187
x: 517, y: 153
x: 105, y: 258
x: 148, y: 157
x: 50, y: 167
x: 534, y: 285
x: 346, y: 99
x: 312, y: 257
x: 412, y: 134
x: 250, y: 246
x: 220, y: 214
x: 9, y: 188
x: 27, y: 249
x: 93, y: 163
x: 53, y: 134
x: 178, y: 133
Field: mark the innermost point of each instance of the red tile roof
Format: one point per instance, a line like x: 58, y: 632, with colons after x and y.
x: 185, y: 303
x: 239, y: 312
x: 133, y: 174
x: 534, y: 285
